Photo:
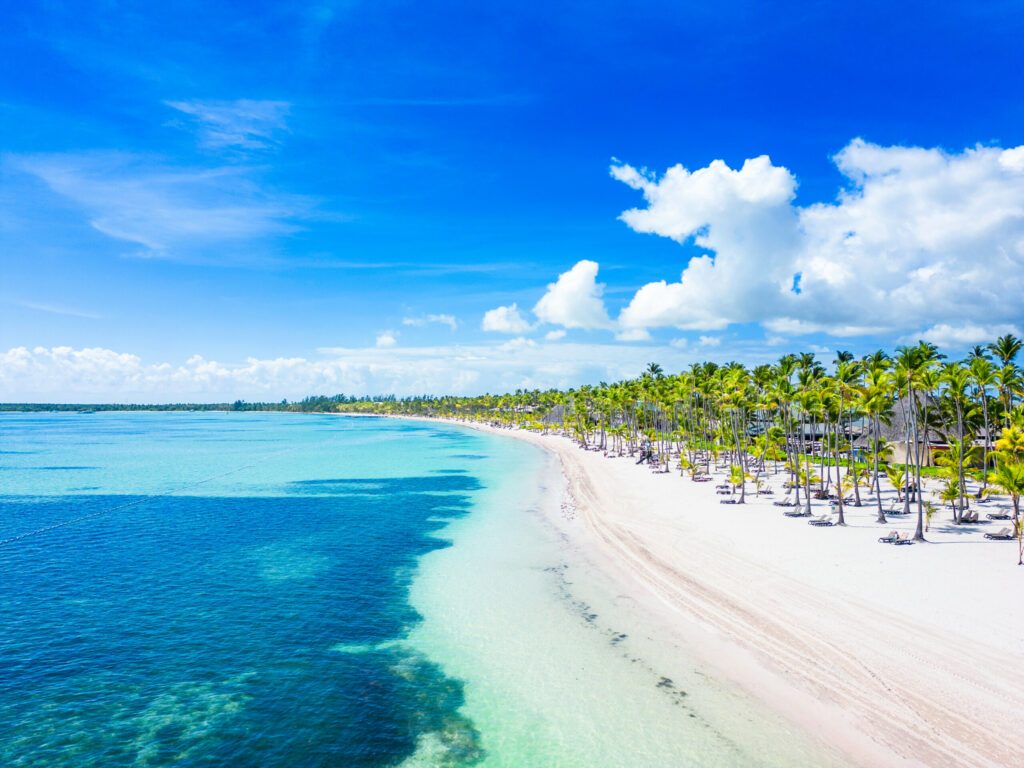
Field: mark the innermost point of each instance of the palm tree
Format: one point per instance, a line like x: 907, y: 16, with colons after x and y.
x: 1009, y: 476
x: 738, y: 479
x: 897, y: 477
x: 876, y: 402
x: 654, y: 370
x: 1005, y: 348
x: 983, y: 376
x: 956, y: 378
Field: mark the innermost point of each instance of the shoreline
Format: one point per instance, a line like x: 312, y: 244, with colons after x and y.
x: 885, y: 655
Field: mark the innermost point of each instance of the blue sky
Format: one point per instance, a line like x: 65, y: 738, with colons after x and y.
x: 330, y: 196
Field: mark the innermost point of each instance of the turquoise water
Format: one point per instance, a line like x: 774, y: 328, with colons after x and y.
x: 233, y: 589
x: 295, y: 590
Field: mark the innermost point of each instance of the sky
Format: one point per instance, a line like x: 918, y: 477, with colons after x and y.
x: 218, y: 200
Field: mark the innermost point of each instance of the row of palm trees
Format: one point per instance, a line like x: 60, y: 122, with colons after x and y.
x: 836, y: 431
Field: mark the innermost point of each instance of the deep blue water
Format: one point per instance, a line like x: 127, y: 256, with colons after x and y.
x: 223, y: 589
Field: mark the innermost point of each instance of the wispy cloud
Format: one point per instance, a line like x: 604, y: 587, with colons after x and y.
x: 171, y: 211
x: 441, y: 319
x: 55, y: 309
x: 242, y: 124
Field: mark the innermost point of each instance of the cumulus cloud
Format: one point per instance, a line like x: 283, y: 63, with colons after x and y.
x: 744, y: 216
x: 574, y: 300
x: 506, y: 319
x: 918, y: 236
x: 967, y: 334
x: 440, y: 319
x: 387, y: 339
x: 554, y: 335
x: 244, y: 124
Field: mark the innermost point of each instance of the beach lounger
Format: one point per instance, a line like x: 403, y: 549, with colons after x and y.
x: 822, y: 522
x: 998, y: 515
x: 903, y: 538
x: 890, y: 539
x: 728, y: 501
x: 797, y: 513
x: 766, y: 492
x: 1004, y: 535
x: 723, y: 492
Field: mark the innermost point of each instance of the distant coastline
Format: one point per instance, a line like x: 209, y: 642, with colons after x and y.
x: 312, y: 404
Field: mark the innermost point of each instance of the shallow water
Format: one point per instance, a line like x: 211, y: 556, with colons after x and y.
x: 279, y: 589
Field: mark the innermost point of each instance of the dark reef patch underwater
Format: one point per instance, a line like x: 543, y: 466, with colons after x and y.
x: 260, y: 623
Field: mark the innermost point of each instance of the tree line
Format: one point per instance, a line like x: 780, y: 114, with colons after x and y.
x: 835, y: 430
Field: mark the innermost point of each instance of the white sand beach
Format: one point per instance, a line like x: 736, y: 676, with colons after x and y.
x: 890, y: 655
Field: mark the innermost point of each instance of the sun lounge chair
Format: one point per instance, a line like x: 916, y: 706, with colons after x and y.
x: 766, y: 492
x: 896, y: 508
x: 786, y: 502
x: 890, y: 539
x: 1003, y: 535
x: 797, y: 513
x: 724, y: 492
x: 728, y: 501
x: 903, y: 538
x: 998, y: 515
x: 823, y: 522
x: 969, y: 517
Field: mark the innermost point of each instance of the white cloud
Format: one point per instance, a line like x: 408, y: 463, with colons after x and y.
x: 680, y: 343
x: 168, y: 210
x: 244, y: 124
x: 574, y: 300
x: 633, y: 334
x: 387, y: 339
x: 554, y: 335
x: 710, y: 341
x: 505, y: 320
x: 517, y: 344
x: 794, y: 327
x: 917, y: 237
x: 64, y: 374
x: 440, y: 319
x: 959, y: 336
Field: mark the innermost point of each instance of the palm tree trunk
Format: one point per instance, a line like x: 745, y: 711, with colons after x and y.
x: 839, y: 484
x: 919, y: 533
x: 984, y: 457
x: 878, y: 487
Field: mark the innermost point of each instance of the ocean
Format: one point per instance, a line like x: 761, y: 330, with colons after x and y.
x: 249, y: 589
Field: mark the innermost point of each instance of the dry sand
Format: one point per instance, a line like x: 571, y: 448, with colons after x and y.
x: 892, y: 655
